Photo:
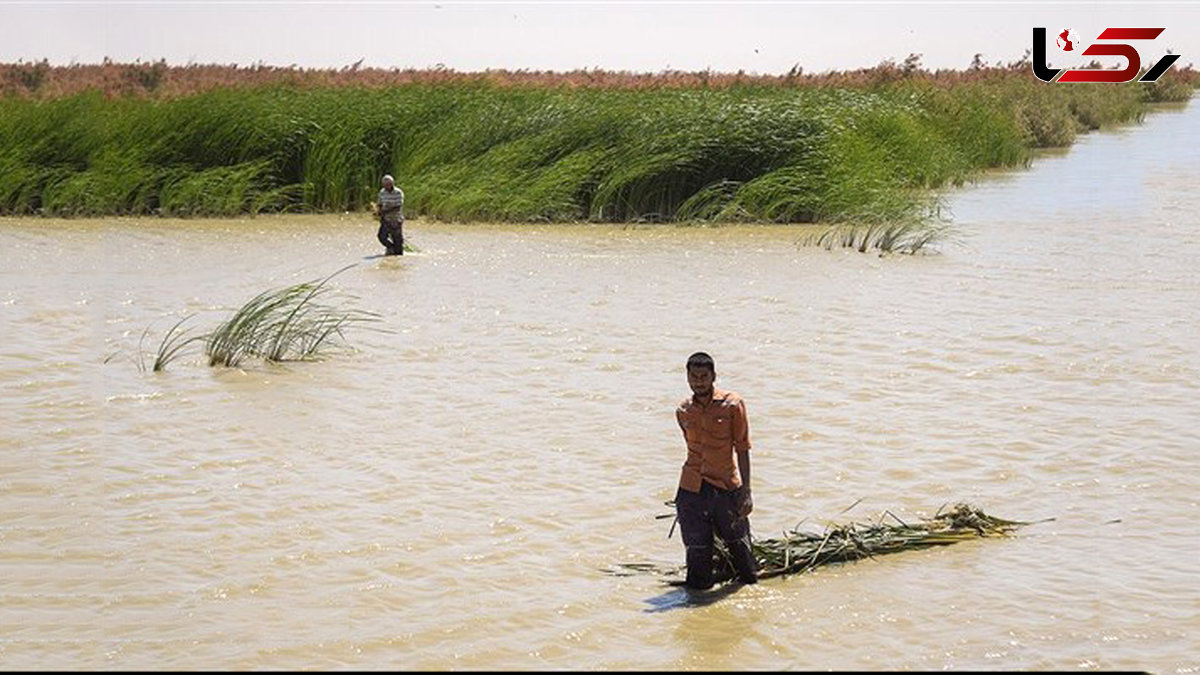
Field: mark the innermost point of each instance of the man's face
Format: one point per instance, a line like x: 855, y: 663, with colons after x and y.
x: 701, y: 381
x: 387, y: 185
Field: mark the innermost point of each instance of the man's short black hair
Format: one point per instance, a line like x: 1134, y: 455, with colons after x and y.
x: 701, y: 360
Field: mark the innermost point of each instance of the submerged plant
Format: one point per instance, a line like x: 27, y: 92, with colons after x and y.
x: 173, y: 344
x: 285, y: 324
x: 798, y: 551
x: 170, y: 347
x: 907, y: 236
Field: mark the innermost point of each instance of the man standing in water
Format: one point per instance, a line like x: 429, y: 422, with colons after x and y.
x: 714, y: 488
x: 391, y: 217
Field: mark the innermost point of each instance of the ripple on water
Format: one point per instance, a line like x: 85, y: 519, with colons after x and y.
x: 445, y: 495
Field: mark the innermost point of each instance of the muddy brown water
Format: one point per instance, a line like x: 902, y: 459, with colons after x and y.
x: 445, y: 495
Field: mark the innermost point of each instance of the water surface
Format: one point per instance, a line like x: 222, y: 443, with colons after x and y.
x: 446, y: 494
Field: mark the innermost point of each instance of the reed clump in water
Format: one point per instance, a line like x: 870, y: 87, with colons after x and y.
x: 801, y: 551
x: 286, y: 324
x: 292, y: 323
x: 905, y: 236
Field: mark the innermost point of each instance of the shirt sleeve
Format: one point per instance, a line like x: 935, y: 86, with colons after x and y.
x: 740, y: 428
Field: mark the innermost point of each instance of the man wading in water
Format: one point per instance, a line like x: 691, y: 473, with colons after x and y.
x: 391, y: 217
x: 714, y: 489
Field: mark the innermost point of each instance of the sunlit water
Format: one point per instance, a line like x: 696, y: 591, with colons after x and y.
x: 446, y: 494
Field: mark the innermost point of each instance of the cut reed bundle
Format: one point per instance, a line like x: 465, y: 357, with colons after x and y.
x: 799, y: 551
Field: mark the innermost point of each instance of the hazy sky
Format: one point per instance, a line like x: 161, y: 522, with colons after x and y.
x: 762, y: 37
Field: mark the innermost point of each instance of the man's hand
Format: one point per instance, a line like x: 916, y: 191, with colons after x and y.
x: 745, y: 502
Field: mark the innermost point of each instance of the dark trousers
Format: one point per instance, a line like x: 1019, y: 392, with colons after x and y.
x: 699, y: 514
x: 391, y: 235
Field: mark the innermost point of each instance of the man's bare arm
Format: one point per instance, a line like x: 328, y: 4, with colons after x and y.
x: 747, y: 504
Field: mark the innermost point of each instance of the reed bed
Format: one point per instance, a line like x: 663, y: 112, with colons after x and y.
x: 799, y: 551
x: 866, y: 148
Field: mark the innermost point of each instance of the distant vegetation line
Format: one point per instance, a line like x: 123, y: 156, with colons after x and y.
x: 862, y: 146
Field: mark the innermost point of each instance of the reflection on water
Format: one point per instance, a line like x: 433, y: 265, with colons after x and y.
x: 446, y: 495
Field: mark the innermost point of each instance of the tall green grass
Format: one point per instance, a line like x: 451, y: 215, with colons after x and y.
x: 171, y: 346
x: 468, y: 150
x: 292, y: 323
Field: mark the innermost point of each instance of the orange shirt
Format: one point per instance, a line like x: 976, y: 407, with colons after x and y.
x: 715, y: 433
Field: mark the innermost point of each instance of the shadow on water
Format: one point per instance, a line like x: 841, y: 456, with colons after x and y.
x: 683, y: 598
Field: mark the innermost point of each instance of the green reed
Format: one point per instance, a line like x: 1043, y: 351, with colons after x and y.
x: 285, y: 324
x: 170, y: 347
x: 292, y: 323
x: 867, y: 150
x: 173, y: 344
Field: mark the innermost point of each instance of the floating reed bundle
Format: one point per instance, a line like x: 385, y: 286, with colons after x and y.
x: 799, y: 551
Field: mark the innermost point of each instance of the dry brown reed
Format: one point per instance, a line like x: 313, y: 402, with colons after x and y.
x: 158, y: 79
